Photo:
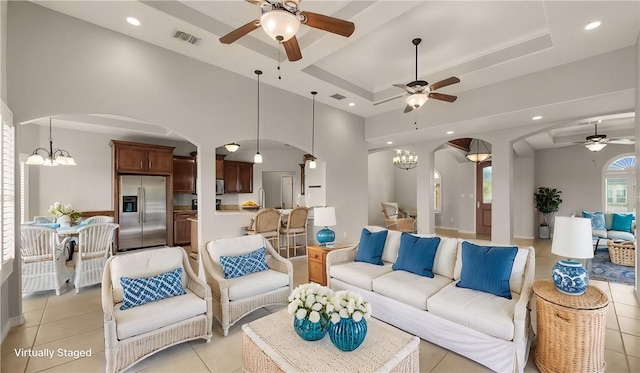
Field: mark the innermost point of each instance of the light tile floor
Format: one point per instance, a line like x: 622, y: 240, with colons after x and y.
x: 74, y: 322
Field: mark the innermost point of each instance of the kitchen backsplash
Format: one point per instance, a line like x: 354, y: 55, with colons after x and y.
x: 182, y: 199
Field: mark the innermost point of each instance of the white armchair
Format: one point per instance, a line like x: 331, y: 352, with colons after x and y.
x: 43, y: 259
x: 234, y: 298
x: 133, y: 334
x: 94, y: 248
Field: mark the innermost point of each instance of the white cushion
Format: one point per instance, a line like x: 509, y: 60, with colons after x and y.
x: 359, y: 274
x: 409, y: 288
x: 484, y: 312
x: 517, y: 271
x: 234, y: 246
x: 154, y: 315
x: 256, y: 283
x: 445, y: 260
x: 144, y: 263
x: 391, y: 245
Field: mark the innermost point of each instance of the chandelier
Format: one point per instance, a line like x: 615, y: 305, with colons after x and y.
x: 405, y: 159
x: 51, y: 157
x: 478, y: 151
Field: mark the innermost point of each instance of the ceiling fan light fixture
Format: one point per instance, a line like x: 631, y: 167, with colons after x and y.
x: 416, y: 100
x: 232, y: 147
x: 596, y: 146
x: 280, y: 24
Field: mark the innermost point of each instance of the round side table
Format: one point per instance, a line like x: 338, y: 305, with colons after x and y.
x: 571, y: 329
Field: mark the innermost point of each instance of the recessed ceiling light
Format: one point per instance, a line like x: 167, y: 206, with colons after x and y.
x: 537, y: 117
x: 389, y: 142
x: 133, y: 21
x: 449, y: 132
x: 592, y: 25
x: 352, y: 104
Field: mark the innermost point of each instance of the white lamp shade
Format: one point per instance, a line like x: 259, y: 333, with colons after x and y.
x: 257, y: 158
x: 35, y: 159
x: 280, y: 24
x: 596, y: 146
x: 572, y: 238
x: 312, y: 164
x: 232, y: 147
x: 416, y: 100
x: 324, y: 216
x: 477, y: 157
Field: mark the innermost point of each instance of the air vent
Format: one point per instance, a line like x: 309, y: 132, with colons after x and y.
x: 191, y: 39
x: 338, y: 96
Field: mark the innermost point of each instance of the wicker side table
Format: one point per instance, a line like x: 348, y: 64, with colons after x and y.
x: 571, y: 329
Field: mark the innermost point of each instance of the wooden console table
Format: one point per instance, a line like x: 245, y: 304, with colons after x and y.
x: 571, y: 329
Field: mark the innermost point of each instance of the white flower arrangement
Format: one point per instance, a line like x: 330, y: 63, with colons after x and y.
x: 59, y: 210
x: 347, y: 304
x: 309, y: 301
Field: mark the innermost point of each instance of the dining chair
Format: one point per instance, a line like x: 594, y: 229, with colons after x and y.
x: 295, y: 226
x: 43, y: 259
x: 98, y: 219
x: 94, y: 248
x: 395, y: 220
x: 267, y: 224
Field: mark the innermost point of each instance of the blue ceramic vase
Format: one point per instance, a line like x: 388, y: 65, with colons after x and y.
x: 310, y: 331
x: 347, y: 334
x: 570, y: 277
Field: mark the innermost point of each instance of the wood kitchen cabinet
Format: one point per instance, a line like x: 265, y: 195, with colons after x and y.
x: 220, y: 166
x: 238, y: 177
x: 182, y: 227
x: 133, y: 157
x: 184, y: 174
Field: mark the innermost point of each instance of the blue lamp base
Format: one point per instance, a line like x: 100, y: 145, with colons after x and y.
x: 325, y: 235
x: 570, y: 277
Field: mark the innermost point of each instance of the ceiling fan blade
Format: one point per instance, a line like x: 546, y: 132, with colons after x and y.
x: 292, y: 48
x: 326, y: 23
x: 622, y: 141
x: 444, y: 83
x: 408, y: 108
x: 406, y: 88
x: 442, y: 96
x: 239, y: 32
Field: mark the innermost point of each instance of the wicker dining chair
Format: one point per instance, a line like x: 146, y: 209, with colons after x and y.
x: 267, y: 224
x: 98, y: 219
x: 95, y: 244
x: 394, y: 219
x: 43, y: 259
x: 294, y: 227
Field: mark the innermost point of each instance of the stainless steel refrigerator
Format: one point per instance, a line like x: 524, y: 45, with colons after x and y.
x: 143, y: 211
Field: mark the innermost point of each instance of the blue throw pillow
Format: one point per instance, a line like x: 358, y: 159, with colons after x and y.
x: 487, y: 268
x: 138, y: 291
x: 241, y: 265
x: 416, y: 254
x: 597, y: 219
x: 622, y: 222
x: 371, y: 246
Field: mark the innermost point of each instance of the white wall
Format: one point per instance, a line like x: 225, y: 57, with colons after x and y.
x: 524, y: 224
x: 577, y: 172
x: 381, y: 184
x: 450, y: 186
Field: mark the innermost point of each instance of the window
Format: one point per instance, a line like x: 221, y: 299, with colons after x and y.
x: 437, y: 191
x: 7, y: 191
x: 487, y: 192
x: 620, y: 184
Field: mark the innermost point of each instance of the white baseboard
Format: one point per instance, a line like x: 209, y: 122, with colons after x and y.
x: 525, y: 237
x: 467, y: 232
x: 449, y: 228
x: 14, y: 321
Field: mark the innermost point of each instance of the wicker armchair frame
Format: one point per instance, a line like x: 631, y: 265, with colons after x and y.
x: 228, y: 312
x: 95, y: 242
x: 43, y: 259
x: 122, y: 354
x: 398, y: 224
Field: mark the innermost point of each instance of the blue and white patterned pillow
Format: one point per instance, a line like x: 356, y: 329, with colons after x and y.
x: 237, y: 266
x: 138, y: 291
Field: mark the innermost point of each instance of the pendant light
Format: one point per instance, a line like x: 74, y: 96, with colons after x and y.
x: 232, y: 147
x: 258, y: 157
x: 312, y: 164
x: 478, y: 151
x: 52, y: 157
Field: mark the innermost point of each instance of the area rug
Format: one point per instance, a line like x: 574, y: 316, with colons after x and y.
x: 601, y: 268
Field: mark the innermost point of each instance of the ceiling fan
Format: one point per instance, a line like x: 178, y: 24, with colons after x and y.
x: 281, y: 20
x: 419, y: 91
x: 598, y: 141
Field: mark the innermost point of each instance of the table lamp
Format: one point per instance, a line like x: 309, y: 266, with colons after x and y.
x: 571, y: 239
x: 324, y: 217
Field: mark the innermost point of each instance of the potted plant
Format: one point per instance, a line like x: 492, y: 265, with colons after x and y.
x: 547, y: 202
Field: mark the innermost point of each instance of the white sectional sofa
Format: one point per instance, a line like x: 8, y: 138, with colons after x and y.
x: 490, y: 329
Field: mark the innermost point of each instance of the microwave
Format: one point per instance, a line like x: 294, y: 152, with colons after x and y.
x: 219, y: 187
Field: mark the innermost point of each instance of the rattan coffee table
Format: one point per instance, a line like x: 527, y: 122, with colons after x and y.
x: 571, y: 329
x: 270, y: 344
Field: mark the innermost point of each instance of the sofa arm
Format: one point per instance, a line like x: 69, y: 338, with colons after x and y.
x: 522, y: 309
x: 339, y: 256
